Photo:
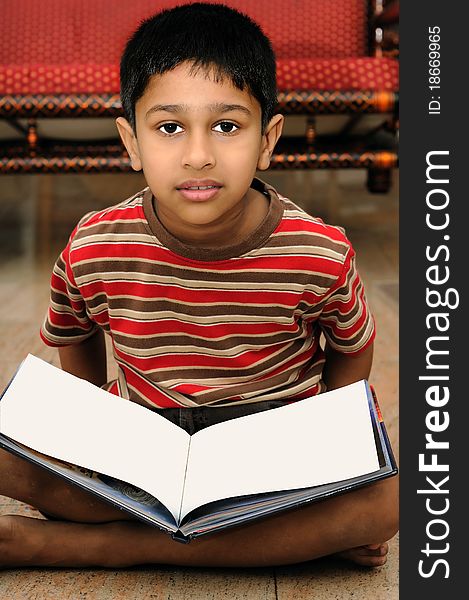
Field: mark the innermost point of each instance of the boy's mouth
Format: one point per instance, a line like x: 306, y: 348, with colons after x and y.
x: 199, y: 189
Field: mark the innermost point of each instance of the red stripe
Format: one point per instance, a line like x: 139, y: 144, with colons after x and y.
x: 174, y: 326
x: 136, y: 251
x: 116, y: 214
x: 177, y: 294
x: 191, y: 388
x: 170, y: 360
x: 67, y: 320
x: 156, y: 396
x: 291, y: 224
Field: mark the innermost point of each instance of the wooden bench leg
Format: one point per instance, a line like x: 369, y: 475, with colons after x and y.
x: 379, y: 180
x: 44, y: 217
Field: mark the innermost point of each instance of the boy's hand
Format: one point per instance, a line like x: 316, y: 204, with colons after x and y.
x: 341, y: 369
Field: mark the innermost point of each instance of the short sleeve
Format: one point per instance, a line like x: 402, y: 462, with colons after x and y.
x: 346, y: 319
x: 67, y: 321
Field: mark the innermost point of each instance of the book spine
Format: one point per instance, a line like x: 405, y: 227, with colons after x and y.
x: 177, y: 536
x: 375, y: 400
x: 392, y: 458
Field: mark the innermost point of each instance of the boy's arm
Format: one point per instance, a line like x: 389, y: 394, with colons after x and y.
x: 87, y: 359
x: 341, y: 369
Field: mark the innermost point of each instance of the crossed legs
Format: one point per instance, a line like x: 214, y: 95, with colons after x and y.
x: 90, y: 532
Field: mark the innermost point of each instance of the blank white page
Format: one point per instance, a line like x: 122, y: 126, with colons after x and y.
x: 63, y: 416
x: 325, y: 438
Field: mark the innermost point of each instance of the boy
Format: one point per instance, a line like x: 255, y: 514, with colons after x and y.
x: 215, y: 291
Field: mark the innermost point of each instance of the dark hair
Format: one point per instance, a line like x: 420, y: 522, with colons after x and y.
x: 210, y: 36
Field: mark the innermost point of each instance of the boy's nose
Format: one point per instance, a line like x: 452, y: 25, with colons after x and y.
x: 198, y: 152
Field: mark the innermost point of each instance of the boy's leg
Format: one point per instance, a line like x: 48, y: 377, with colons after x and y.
x: 365, y: 516
x: 24, y: 481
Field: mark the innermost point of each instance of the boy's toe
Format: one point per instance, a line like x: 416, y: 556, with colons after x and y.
x: 371, y: 555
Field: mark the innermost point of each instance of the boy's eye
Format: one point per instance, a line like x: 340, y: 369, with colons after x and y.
x: 170, y: 128
x: 226, y: 127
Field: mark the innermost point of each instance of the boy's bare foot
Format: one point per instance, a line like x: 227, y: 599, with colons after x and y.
x: 372, y: 555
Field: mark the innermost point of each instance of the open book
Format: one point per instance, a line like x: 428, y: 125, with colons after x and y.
x: 223, y: 475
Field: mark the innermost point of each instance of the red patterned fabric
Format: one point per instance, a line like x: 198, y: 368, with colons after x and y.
x: 70, y: 78
x: 338, y: 74
x: 297, y: 74
x: 74, y: 46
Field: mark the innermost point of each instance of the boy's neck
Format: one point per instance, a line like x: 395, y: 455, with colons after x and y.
x: 237, y: 226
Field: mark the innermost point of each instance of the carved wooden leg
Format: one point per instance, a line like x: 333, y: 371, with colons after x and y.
x: 379, y: 180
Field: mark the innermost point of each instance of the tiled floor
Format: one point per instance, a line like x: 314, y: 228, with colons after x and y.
x: 36, y: 215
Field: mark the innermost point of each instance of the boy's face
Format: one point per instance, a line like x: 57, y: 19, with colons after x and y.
x: 193, y: 132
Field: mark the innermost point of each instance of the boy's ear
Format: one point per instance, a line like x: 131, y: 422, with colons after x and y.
x: 130, y: 142
x: 269, y: 139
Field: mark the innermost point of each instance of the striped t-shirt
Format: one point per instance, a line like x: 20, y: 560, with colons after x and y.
x: 197, y: 326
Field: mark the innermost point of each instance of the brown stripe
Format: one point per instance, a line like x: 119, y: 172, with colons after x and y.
x: 98, y: 271
x: 141, y: 310
x: 163, y: 343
